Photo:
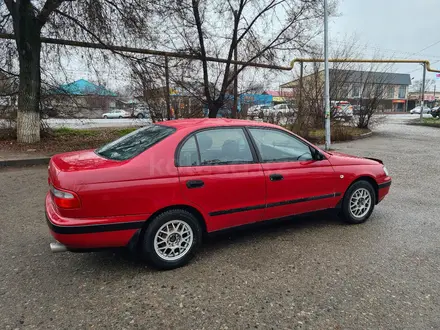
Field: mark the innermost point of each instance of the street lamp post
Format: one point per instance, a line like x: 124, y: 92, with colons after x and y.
x: 423, y: 92
x: 327, y: 79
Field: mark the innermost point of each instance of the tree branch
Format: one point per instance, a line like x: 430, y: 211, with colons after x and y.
x: 49, y: 7
x: 10, y: 5
x: 196, y: 13
x: 271, y: 5
x: 4, y: 20
x: 100, y: 41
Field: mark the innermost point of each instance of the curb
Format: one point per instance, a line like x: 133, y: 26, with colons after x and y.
x: 359, y: 137
x: 362, y: 136
x: 24, y: 162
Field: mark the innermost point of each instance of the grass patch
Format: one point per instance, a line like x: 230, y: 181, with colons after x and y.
x: 338, y: 133
x: 66, y: 131
x: 125, y: 131
x: 431, y: 122
x: 66, y: 139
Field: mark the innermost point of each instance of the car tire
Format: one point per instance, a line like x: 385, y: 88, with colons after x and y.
x: 279, y: 114
x: 163, y: 236
x: 105, y: 117
x: 120, y: 117
x: 261, y: 115
x: 140, y: 116
x: 358, y: 203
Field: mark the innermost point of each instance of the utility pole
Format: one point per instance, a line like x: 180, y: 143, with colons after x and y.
x: 167, y: 87
x: 235, y: 109
x: 327, y: 79
x: 423, y: 92
x: 301, y: 74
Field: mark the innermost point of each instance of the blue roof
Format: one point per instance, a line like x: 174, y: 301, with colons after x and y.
x: 83, y: 87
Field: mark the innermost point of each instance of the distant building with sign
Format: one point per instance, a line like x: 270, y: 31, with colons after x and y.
x: 432, y: 98
x: 353, y: 86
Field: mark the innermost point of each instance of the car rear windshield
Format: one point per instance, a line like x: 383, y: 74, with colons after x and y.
x: 136, y: 142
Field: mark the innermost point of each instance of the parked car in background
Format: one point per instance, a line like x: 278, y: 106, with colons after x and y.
x: 283, y: 110
x: 358, y: 109
x: 224, y: 112
x: 260, y: 110
x: 141, y: 112
x: 435, y: 112
x: 417, y: 110
x: 116, y: 114
x: 162, y: 187
x: 49, y: 112
x: 342, y: 110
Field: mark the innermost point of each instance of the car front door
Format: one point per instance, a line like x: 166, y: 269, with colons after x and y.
x: 295, y: 182
x: 219, y: 174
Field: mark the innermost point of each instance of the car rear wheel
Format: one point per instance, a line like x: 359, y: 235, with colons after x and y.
x: 140, y: 115
x: 120, y: 117
x: 358, y: 202
x: 105, y: 117
x: 171, y: 239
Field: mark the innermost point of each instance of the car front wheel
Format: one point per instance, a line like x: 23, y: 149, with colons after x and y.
x: 358, y: 202
x: 171, y: 239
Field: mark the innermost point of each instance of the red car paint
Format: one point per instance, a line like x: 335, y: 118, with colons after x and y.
x: 119, y: 197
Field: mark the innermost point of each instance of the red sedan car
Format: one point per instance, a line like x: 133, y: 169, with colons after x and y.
x: 162, y: 186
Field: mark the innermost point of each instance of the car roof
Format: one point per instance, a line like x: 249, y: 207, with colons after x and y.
x: 198, y: 123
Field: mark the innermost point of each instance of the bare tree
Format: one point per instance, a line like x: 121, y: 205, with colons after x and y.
x: 255, y: 30
x: 102, y: 21
x: 417, y: 85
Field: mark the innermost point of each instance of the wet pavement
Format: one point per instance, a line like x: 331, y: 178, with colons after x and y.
x: 307, y: 273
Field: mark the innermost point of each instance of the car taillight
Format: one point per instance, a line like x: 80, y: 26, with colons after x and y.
x: 64, y: 199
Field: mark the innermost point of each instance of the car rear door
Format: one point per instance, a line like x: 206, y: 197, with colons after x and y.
x: 220, y: 175
x: 295, y: 182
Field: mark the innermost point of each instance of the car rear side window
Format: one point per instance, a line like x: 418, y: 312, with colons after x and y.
x: 135, y: 143
x: 189, y: 155
x: 223, y: 146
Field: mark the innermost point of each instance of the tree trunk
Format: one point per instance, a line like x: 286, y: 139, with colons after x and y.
x: 28, y: 114
x: 214, y: 107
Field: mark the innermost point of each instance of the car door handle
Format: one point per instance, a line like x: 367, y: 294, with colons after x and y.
x: 194, y: 184
x: 275, y: 177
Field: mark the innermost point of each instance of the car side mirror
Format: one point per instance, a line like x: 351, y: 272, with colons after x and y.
x: 317, y: 155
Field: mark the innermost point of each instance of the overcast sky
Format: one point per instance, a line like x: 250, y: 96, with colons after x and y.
x: 398, y: 29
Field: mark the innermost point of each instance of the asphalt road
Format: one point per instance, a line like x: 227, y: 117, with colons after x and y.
x: 134, y: 122
x: 89, y: 123
x: 309, y: 273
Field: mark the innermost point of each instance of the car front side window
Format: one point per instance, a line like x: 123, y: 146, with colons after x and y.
x: 278, y: 146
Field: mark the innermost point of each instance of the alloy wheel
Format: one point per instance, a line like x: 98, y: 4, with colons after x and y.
x: 360, y: 203
x: 173, y: 240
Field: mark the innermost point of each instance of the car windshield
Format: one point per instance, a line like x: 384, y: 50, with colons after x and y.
x: 136, y: 142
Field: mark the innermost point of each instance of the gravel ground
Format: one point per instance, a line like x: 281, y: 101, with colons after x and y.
x: 309, y: 273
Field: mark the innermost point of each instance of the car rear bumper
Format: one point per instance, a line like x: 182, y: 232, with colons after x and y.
x: 92, y: 233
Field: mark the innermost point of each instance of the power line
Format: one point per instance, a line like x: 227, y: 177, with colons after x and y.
x: 418, y: 69
x: 432, y: 45
x: 388, y: 49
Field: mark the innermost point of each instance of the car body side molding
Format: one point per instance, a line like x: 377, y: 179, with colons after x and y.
x: 264, y: 206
